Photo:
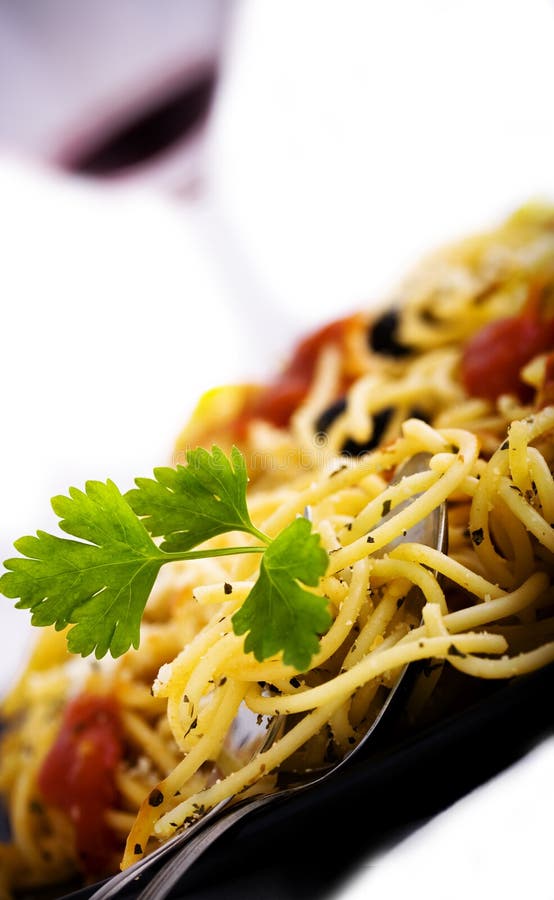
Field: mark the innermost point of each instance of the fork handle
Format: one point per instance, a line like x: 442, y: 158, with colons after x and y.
x: 112, y: 887
x: 162, y: 882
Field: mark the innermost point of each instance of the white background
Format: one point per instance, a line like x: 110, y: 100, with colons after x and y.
x: 346, y: 139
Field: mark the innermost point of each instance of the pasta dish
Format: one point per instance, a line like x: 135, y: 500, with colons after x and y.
x: 105, y: 756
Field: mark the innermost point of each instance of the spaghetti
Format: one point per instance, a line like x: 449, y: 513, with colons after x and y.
x: 101, y: 761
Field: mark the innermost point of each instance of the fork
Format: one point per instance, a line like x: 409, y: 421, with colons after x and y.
x: 188, y: 846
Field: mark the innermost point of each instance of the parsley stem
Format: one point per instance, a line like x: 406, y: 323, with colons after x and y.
x: 260, y: 535
x: 204, y: 554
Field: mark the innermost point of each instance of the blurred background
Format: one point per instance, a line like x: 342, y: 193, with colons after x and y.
x: 188, y: 186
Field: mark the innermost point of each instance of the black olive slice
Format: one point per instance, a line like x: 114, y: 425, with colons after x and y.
x: 328, y: 416
x: 382, y: 335
x: 351, y: 447
x: 381, y: 420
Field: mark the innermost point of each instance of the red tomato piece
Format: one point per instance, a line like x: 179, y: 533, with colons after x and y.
x: 493, y: 358
x: 78, y: 775
x: 277, y: 401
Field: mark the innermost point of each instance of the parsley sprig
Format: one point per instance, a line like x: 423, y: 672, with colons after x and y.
x: 191, y: 504
x: 100, y: 583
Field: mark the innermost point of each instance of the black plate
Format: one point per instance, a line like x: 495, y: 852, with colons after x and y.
x: 309, y: 845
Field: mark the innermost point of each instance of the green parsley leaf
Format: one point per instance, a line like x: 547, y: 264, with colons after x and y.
x: 190, y: 504
x: 100, y: 583
x: 102, y: 586
x: 279, y: 614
